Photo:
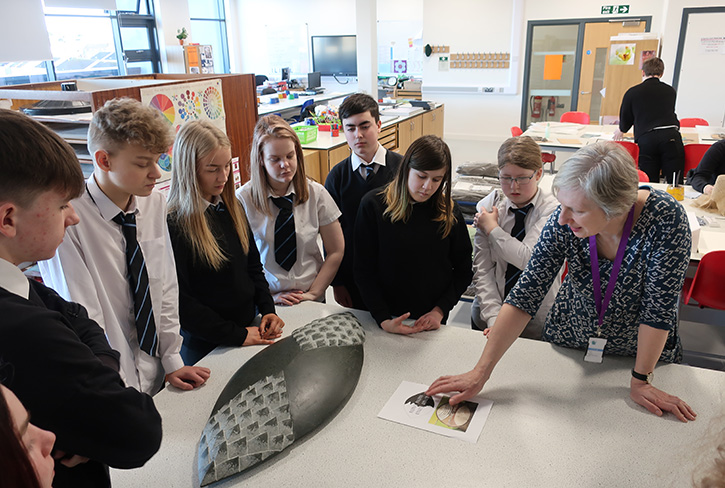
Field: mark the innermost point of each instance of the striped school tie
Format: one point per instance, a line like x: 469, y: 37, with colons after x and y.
x: 369, y: 170
x: 138, y: 281
x: 519, y: 232
x: 285, y: 239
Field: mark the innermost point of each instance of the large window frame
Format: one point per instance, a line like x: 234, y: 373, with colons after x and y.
x: 221, y: 20
x: 140, y: 16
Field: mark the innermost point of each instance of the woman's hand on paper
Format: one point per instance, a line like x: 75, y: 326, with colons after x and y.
x: 468, y: 384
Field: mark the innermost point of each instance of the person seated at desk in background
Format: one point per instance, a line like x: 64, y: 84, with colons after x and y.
x: 637, y: 240
x: 25, y: 450
x: 711, y: 166
x: 370, y: 166
x: 413, y: 251
x: 221, y: 280
x: 118, y: 261
x: 650, y: 107
x: 508, y: 229
x: 56, y: 360
x: 287, y: 212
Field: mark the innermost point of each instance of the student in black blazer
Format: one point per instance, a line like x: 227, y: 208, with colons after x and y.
x: 370, y: 166
x: 54, y: 358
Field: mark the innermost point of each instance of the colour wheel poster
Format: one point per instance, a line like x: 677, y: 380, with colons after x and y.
x: 410, y: 406
x: 182, y: 102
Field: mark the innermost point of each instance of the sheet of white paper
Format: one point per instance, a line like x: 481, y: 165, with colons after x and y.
x: 410, y: 406
x: 710, y: 242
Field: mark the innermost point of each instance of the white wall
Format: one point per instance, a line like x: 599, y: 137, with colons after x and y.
x: 475, y: 124
x: 172, y: 15
x: 251, y: 17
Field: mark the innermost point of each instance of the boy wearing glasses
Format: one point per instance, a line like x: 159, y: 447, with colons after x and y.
x: 508, y: 227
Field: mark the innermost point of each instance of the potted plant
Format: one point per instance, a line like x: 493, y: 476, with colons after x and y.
x: 181, y: 35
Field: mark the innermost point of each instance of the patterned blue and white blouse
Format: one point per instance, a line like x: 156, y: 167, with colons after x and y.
x: 647, y: 290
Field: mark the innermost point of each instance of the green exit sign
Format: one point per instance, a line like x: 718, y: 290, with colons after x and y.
x: 615, y: 9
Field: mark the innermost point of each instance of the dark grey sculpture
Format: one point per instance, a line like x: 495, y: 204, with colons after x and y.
x: 281, y: 394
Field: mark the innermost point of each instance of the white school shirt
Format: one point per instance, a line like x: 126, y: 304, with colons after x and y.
x: 494, y: 252
x: 319, y: 210
x: 13, y: 280
x: 90, y: 268
x: 378, y: 159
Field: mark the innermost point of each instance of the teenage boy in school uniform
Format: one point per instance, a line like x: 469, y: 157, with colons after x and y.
x: 118, y: 261
x: 57, y: 360
x: 370, y: 166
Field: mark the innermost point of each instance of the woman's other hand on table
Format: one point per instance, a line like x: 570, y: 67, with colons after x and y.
x: 657, y: 401
x: 618, y: 135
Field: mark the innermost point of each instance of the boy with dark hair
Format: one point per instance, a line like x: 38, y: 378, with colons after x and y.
x: 118, y: 262
x: 57, y: 360
x: 370, y: 166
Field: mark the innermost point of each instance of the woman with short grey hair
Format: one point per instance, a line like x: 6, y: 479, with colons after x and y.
x: 627, y: 250
x: 605, y: 174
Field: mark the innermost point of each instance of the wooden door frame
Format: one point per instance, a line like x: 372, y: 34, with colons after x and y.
x: 647, y: 19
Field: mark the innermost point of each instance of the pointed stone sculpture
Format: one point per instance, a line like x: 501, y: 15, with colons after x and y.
x: 281, y: 394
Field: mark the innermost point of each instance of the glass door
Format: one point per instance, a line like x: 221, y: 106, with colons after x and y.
x: 551, y: 69
x: 565, y: 65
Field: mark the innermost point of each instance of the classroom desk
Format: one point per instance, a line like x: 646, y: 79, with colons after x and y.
x: 556, y: 421
x: 568, y: 136
x: 285, y: 104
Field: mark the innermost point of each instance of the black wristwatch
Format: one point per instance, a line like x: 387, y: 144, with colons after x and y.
x: 642, y: 377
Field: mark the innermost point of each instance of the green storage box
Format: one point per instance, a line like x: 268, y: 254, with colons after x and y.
x: 306, y: 133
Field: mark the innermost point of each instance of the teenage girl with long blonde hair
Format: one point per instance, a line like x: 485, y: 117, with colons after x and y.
x: 222, y: 287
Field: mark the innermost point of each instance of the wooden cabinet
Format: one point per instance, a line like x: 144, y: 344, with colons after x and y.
x: 388, y: 137
x: 433, y: 122
x: 312, y: 164
x: 334, y: 156
x: 408, y: 131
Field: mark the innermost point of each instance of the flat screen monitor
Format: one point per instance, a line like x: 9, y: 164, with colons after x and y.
x: 334, y: 55
x: 314, y: 80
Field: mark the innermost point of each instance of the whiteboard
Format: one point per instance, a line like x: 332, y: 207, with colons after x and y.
x: 700, y: 90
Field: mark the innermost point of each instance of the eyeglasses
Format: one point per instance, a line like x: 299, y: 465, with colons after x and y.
x: 520, y: 180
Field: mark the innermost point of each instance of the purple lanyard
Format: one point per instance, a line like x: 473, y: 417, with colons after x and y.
x: 597, y: 282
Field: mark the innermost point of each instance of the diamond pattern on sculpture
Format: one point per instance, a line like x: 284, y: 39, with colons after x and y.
x: 253, y: 426
x: 340, y: 329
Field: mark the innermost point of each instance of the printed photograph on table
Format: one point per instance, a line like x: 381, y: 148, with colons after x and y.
x: 410, y: 406
x: 456, y: 417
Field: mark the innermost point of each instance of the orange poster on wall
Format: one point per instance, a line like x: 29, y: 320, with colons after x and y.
x: 553, y: 64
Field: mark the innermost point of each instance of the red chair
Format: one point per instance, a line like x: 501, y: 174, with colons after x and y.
x: 693, y: 155
x: 516, y: 131
x: 548, y: 158
x: 643, y: 178
x: 576, y: 117
x: 692, y: 122
x: 706, y: 287
x: 633, y: 150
